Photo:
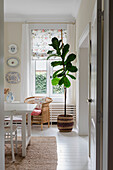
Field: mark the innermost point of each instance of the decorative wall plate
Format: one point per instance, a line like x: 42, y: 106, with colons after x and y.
x: 12, y: 49
x: 13, y: 77
x: 12, y: 62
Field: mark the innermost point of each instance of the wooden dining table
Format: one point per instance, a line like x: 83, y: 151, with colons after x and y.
x: 12, y: 109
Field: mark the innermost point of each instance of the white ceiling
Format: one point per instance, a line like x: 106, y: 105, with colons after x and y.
x: 41, y: 10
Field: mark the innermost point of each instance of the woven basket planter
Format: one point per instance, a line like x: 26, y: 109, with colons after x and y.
x: 65, y: 123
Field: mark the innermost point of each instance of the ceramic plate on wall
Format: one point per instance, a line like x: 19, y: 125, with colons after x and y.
x: 12, y: 49
x: 12, y: 77
x: 12, y: 62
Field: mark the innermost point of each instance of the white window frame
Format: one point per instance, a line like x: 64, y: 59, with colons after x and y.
x: 56, y: 97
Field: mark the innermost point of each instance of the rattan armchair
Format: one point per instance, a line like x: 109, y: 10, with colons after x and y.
x: 40, y: 115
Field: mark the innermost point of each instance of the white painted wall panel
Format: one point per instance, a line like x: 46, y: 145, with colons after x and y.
x: 83, y: 92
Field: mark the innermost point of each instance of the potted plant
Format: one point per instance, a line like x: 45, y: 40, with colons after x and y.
x: 61, y: 77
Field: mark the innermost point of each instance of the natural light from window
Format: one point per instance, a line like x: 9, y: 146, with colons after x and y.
x: 40, y: 40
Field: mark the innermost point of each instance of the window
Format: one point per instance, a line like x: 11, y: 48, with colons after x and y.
x: 40, y: 77
x: 41, y: 68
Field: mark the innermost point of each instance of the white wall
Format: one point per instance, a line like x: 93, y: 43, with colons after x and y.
x: 82, y: 93
x: 12, y: 35
x: 83, y: 18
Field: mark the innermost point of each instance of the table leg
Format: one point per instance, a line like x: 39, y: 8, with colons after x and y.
x: 29, y: 126
x: 24, y: 135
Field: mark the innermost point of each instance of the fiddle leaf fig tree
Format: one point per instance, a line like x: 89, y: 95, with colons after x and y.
x: 61, y: 76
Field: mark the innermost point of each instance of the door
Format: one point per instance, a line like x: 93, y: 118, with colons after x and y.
x: 92, y: 90
x: 95, y: 89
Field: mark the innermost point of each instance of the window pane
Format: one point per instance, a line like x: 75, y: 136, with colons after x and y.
x: 40, y: 77
x: 57, y: 89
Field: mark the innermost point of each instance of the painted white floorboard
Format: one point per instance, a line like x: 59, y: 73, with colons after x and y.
x: 72, y: 149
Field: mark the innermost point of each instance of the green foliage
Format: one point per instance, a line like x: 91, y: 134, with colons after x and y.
x: 67, y: 83
x: 60, y: 76
x: 61, y: 81
x: 55, y: 44
x: 58, y: 89
x: 55, y: 81
x: 40, y: 83
x: 65, y: 51
x: 56, y: 63
x: 72, y: 69
x: 55, y: 73
x: 70, y: 58
x: 73, y: 77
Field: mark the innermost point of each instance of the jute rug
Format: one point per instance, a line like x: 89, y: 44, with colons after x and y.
x: 41, y: 155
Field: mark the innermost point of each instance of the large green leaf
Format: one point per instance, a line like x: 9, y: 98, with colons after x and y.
x: 61, y: 81
x: 61, y: 74
x: 72, y: 69
x: 67, y: 83
x: 73, y: 77
x: 65, y: 51
x: 52, y: 55
x: 55, y: 73
x: 56, y: 63
x: 50, y: 52
x: 70, y: 58
x: 68, y: 65
x: 55, y: 81
x: 55, y: 44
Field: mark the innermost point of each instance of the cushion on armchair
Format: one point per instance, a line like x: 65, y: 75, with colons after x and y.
x: 36, y: 112
x: 39, y: 102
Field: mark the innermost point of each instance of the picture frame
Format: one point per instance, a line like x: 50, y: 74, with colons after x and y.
x: 12, y: 49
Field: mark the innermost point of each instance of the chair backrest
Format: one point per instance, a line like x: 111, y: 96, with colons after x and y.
x: 32, y: 100
x: 8, y: 127
x: 8, y: 121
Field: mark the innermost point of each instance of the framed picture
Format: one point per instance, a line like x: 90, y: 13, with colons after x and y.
x: 12, y: 49
x: 12, y: 62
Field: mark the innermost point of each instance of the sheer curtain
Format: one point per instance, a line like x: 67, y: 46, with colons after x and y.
x: 25, y: 71
x: 71, y: 41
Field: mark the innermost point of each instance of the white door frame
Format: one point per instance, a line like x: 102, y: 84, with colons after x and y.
x: 2, y: 155
x: 83, y: 129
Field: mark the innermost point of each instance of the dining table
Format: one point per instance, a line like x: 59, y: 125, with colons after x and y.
x: 12, y: 109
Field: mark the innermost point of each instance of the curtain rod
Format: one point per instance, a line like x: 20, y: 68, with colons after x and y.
x: 50, y: 22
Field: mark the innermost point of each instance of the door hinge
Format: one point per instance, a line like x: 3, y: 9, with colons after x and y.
x: 100, y: 15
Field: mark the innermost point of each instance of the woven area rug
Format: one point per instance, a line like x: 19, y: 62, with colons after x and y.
x: 41, y: 155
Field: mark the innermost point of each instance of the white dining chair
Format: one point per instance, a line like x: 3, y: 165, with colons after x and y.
x: 10, y: 132
x: 17, y: 120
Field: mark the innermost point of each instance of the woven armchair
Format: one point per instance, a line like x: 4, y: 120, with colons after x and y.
x: 40, y: 116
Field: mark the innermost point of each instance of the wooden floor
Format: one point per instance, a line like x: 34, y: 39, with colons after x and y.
x: 72, y: 149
